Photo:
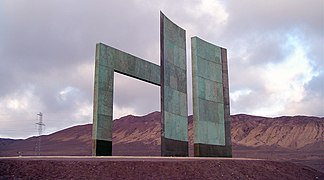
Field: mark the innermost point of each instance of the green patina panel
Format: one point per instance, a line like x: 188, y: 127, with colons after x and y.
x: 173, y: 89
x: 103, y: 94
x: 207, y: 128
x: 176, y: 125
x: 172, y: 76
x: 207, y: 67
x: 210, y: 93
x: 109, y: 60
x: 208, y: 99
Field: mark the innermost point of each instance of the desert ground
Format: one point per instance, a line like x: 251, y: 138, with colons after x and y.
x: 120, y: 167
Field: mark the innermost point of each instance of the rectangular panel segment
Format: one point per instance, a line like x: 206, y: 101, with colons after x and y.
x: 135, y: 67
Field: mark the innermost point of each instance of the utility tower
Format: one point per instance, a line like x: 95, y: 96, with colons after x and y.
x: 40, y: 130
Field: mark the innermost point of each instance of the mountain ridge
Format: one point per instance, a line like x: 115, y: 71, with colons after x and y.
x: 291, y: 138
x: 288, y: 132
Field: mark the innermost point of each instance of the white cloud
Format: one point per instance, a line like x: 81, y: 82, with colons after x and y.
x: 211, y: 9
x: 21, y: 100
x: 18, y: 113
x: 83, y: 113
x: 121, y: 111
x: 285, y: 81
x: 137, y: 96
x: 63, y: 94
x: 275, y: 53
x: 236, y: 95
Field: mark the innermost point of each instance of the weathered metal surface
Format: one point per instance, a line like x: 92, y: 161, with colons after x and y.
x: 228, y: 136
x: 210, y: 93
x: 210, y: 98
x: 174, y: 111
x: 109, y: 60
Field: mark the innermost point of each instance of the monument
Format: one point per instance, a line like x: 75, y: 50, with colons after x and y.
x: 210, y: 93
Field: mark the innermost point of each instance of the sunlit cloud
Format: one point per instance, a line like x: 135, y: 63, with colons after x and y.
x: 286, y: 80
x: 236, y: 95
x: 121, y: 111
x: 275, y: 55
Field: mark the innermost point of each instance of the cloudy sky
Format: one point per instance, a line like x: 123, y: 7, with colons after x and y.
x: 47, y: 51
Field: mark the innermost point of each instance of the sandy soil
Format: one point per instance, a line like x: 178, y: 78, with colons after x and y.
x: 151, y: 168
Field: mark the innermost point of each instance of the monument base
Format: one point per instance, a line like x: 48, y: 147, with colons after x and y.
x: 171, y: 147
x: 102, y: 148
x: 208, y: 150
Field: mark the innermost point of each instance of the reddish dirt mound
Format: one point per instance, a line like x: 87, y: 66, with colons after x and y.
x: 151, y: 168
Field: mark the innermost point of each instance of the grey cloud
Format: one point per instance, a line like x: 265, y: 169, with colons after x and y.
x: 250, y: 102
x: 313, y: 101
x: 44, y: 44
x: 257, y: 26
x: 316, y: 86
x: 244, y: 75
x: 132, y: 93
x: 265, y: 49
x: 248, y: 16
x: 258, y: 30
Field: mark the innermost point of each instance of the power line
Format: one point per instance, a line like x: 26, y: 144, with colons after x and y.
x: 40, y: 130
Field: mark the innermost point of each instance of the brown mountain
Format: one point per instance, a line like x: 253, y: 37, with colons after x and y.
x: 297, y: 138
x: 286, y: 132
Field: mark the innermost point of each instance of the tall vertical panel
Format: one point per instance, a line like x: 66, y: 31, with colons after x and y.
x: 174, y: 139
x: 103, y: 102
x: 210, y: 99
x: 228, y: 137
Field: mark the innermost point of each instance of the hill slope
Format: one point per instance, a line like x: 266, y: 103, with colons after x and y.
x: 286, y: 132
x: 284, y: 138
